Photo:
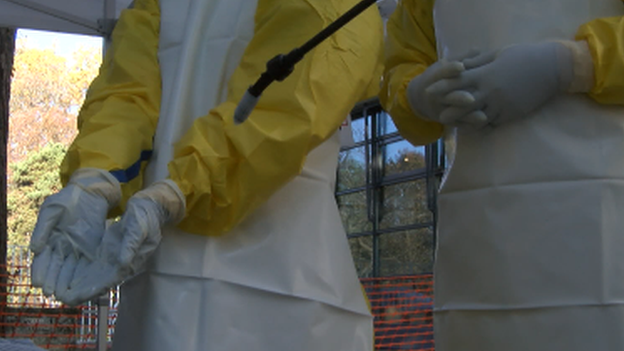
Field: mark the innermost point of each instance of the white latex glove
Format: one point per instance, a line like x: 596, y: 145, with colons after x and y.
x: 518, y: 80
x: 127, y: 244
x: 71, y: 223
x: 430, y: 104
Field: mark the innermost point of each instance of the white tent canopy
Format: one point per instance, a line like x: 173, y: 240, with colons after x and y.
x: 90, y: 17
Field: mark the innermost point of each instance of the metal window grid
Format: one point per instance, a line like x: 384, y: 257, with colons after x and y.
x: 376, y: 138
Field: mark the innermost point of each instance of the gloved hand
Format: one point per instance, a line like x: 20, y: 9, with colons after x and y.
x: 126, y: 245
x: 431, y: 104
x: 71, y: 223
x: 517, y: 80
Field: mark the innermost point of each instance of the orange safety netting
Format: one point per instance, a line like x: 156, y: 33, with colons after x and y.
x: 402, y: 307
x: 26, y: 314
x: 403, y: 310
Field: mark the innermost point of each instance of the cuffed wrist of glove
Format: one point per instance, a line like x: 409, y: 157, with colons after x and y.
x: 99, y: 182
x: 414, y: 91
x: 169, y: 196
x: 577, y: 66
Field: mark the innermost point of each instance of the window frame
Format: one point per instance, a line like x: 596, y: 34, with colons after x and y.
x: 375, y: 181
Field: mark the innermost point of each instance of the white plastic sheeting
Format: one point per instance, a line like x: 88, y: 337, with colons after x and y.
x: 81, y: 16
x: 68, y: 16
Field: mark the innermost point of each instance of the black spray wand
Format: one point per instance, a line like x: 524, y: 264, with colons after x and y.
x: 281, y: 66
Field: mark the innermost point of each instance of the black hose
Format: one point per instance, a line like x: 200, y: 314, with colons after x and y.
x: 281, y: 66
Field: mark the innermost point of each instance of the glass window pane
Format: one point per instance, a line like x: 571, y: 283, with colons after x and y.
x: 354, y: 212
x: 352, y: 169
x: 404, y: 253
x: 402, y: 156
x: 405, y: 204
x: 362, y: 252
x: 359, y: 127
x: 386, y: 125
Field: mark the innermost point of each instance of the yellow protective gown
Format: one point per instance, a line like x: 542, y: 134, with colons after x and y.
x: 281, y: 276
x: 530, y: 227
x: 227, y: 171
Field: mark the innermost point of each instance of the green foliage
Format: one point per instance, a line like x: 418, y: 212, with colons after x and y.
x: 33, y: 180
x: 408, y: 252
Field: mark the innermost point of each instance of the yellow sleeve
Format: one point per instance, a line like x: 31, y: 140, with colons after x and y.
x: 410, y: 49
x: 605, y: 37
x: 118, y: 118
x: 226, y: 171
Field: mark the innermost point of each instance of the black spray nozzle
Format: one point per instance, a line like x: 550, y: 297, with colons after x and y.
x: 277, y: 69
x: 281, y: 66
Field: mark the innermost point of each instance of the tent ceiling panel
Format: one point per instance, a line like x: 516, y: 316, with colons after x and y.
x: 70, y: 16
x: 80, y: 16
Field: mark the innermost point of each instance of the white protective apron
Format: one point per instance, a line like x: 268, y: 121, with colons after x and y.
x: 284, y: 279
x: 530, y: 254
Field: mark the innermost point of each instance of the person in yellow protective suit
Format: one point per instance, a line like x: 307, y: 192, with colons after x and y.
x: 531, y: 240
x: 230, y: 237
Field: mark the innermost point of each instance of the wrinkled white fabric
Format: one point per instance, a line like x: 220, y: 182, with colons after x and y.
x: 530, y: 229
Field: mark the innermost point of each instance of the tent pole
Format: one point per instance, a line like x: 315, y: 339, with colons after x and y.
x: 107, y: 23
